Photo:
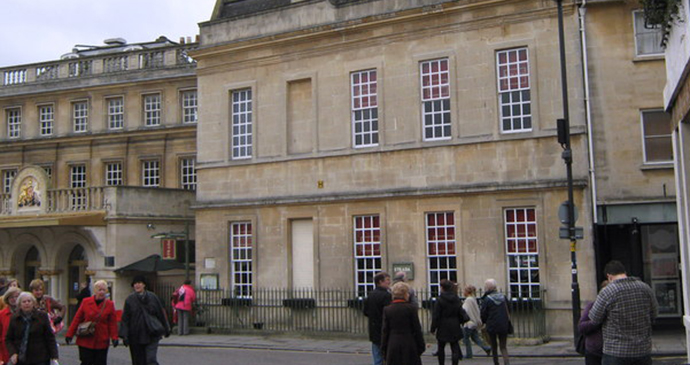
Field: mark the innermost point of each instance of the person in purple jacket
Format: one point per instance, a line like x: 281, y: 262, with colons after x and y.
x: 594, y: 339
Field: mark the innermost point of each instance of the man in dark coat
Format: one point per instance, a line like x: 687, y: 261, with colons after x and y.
x: 447, y: 320
x: 373, y: 309
x: 497, y: 320
x: 143, y: 324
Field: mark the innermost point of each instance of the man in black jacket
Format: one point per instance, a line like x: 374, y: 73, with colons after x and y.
x: 373, y: 309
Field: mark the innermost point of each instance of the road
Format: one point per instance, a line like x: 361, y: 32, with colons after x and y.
x: 228, y: 356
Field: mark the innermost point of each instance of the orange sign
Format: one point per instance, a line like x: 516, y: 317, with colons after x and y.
x: 169, y: 249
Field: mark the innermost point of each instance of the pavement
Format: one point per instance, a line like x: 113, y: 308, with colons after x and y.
x: 665, y: 344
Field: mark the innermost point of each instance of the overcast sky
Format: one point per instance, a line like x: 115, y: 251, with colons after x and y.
x: 43, y: 30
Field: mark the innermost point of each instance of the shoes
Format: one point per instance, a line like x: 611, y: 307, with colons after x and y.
x: 435, y: 353
x: 488, y: 352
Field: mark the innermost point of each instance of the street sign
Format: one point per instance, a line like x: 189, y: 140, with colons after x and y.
x: 169, y: 249
x: 563, y: 212
x: 579, y: 233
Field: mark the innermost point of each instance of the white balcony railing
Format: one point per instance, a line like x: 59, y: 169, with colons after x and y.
x: 63, y: 201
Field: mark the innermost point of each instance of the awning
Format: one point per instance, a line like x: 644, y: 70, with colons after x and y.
x: 152, y: 263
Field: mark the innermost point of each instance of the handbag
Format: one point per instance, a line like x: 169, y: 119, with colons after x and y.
x: 580, y: 344
x: 153, y: 324
x: 88, y: 328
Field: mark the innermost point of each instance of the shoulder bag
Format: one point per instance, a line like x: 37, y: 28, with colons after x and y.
x: 86, y: 329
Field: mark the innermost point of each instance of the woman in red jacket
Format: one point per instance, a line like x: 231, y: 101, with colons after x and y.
x: 93, y: 349
x: 10, y: 300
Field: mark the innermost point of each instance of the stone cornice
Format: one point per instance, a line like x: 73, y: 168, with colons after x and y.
x: 401, y: 193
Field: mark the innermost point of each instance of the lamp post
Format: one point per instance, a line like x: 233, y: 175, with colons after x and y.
x: 567, y: 155
x: 184, y: 234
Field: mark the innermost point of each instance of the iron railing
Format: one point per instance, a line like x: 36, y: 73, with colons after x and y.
x: 311, y: 311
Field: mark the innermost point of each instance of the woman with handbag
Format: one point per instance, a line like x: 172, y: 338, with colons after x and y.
x: 95, y: 325
x: 48, y: 304
x: 447, y: 320
x: 143, y: 324
x: 30, y: 339
x: 495, y: 315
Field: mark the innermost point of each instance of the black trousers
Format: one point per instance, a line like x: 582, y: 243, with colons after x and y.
x: 592, y: 359
x: 93, y: 357
x: 144, y: 354
x: 455, y: 350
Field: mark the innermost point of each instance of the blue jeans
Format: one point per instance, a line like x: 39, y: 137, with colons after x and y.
x: 376, y: 354
x: 472, y: 334
x: 613, y: 360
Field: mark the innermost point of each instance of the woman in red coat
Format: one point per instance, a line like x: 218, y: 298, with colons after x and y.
x: 10, y: 300
x: 93, y: 349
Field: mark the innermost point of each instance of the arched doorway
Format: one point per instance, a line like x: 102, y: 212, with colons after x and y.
x: 76, y: 264
x: 32, y: 262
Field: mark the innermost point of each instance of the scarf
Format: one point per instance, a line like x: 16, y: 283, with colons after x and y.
x: 25, y: 338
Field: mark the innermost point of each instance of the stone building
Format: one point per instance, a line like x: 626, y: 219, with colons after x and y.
x: 677, y: 103
x: 340, y: 138
x: 632, y: 178
x: 97, y: 155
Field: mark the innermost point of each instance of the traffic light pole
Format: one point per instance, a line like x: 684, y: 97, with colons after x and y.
x: 568, y: 158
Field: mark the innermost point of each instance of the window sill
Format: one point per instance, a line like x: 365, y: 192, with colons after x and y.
x: 657, y: 166
x: 646, y: 58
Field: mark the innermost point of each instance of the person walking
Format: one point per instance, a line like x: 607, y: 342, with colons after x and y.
x: 495, y: 315
x: 401, y: 277
x: 402, y: 341
x: 373, y: 310
x: 185, y: 301
x: 594, y: 338
x: 30, y: 339
x: 100, y: 311
x: 626, y: 309
x: 54, y: 309
x: 475, y: 324
x: 84, y: 293
x: 446, y: 323
x: 10, y: 300
x: 143, y: 324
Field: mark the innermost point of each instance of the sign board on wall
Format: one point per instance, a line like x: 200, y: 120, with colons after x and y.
x: 406, y: 267
x: 168, y: 248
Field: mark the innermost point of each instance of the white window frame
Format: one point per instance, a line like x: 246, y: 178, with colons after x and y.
x: 80, y: 116
x: 522, y: 253
x: 14, y: 122
x: 646, y: 137
x: 440, y: 235
x: 8, y: 176
x: 46, y: 119
x: 241, y: 262
x: 241, y: 123
x: 364, y: 108
x: 366, y: 238
x: 151, y: 173
x: 188, y: 173
x: 434, y: 84
x: 114, y: 173
x: 152, y: 110
x: 116, y: 112
x: 190, y: 103
x: 514, y: 91
x: 77, y: 181
x: 642, y: 33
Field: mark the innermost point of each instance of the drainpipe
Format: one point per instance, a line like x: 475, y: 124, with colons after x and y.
x: 582, y: 12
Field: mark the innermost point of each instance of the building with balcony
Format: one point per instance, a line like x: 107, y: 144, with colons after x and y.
x: 97, y: 154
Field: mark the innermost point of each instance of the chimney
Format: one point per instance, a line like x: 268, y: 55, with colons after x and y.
x: 181, y: 40
x: 189, y: 39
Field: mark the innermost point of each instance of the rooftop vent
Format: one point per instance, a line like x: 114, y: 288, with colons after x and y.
x: 115, y: 41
